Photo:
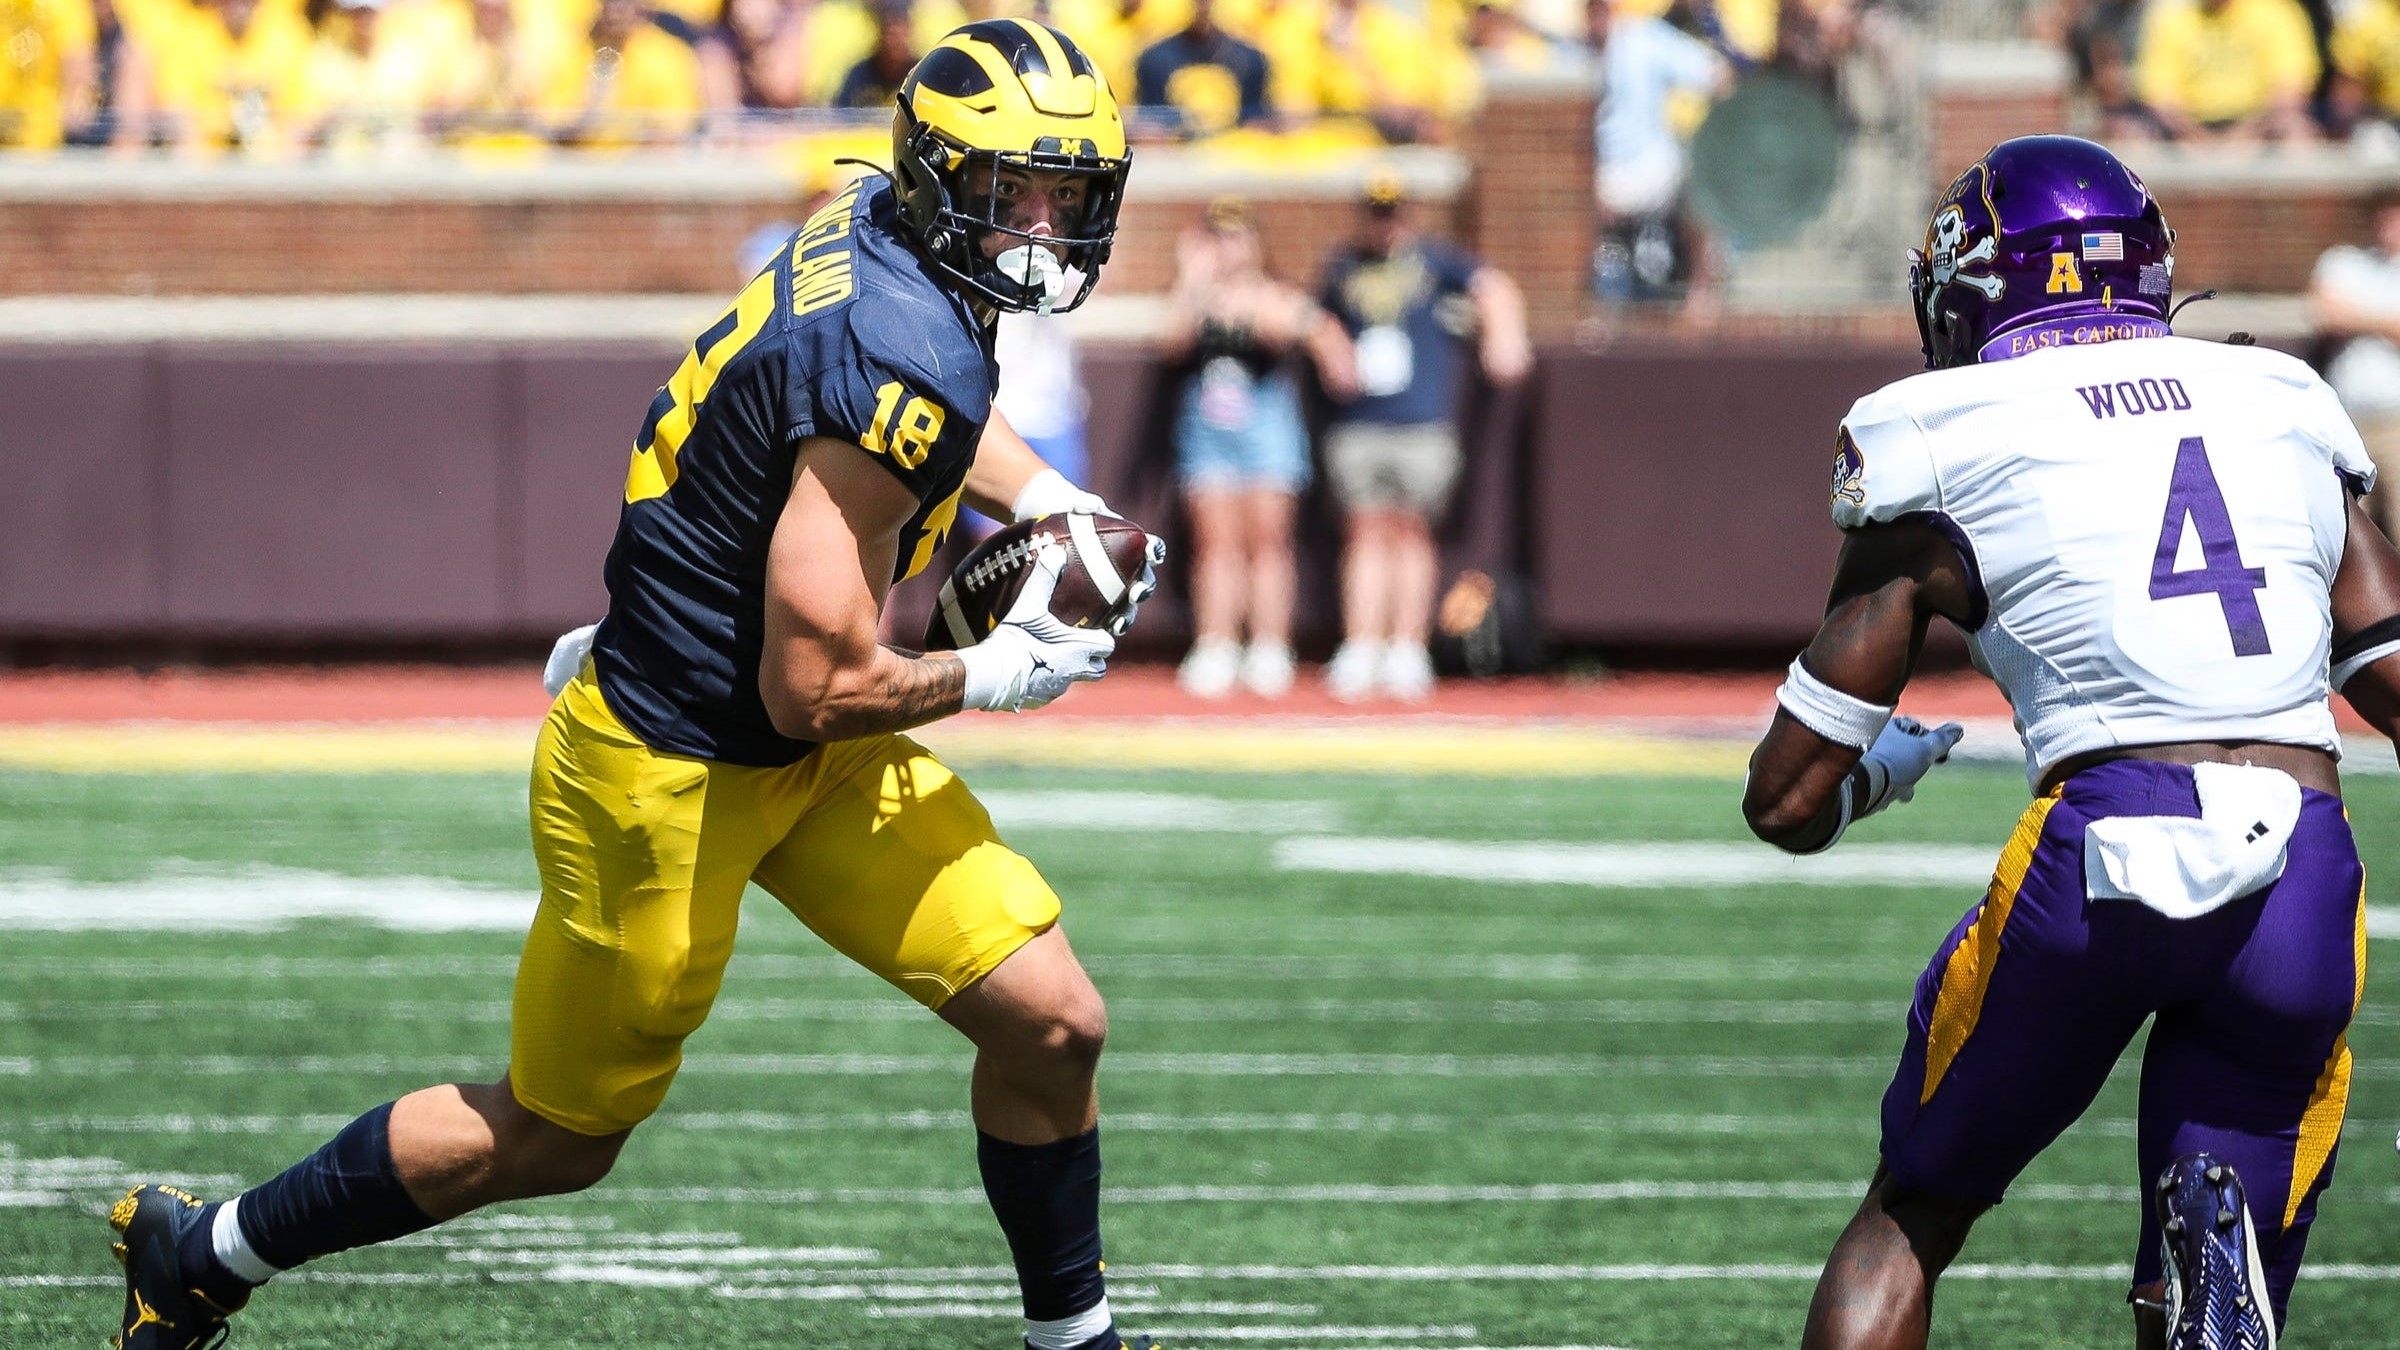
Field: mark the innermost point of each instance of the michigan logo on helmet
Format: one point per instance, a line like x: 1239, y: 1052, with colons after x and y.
x: 994, y: 100
x: 2047, y: 241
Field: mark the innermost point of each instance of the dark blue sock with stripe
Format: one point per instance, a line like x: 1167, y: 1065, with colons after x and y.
x: 1047, y: 1198
x: 346, y: 1194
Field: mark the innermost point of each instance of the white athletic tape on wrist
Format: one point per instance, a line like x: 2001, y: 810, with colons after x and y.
x: 1046, y: 493
x: 1827, y: 711
x: 995, y: 677
x: 2343, y: 672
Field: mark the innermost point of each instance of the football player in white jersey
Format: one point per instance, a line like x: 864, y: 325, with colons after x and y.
x: 2154, y: 546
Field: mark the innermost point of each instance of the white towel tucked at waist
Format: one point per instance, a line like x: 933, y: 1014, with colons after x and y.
x: 2184, y: 867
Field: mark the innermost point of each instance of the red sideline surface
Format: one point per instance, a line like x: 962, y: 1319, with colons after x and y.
x: 410, y: 693
x: 274, y: 694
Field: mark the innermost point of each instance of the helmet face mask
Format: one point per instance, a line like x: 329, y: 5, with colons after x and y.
x: 995, y: 102
x: 2047, y: 241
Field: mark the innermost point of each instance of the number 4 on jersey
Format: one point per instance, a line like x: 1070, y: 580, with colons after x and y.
x: 2195, y: 497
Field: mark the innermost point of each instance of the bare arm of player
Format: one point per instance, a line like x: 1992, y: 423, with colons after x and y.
x: 1004, y: 464
x: 2366, y: 621
x: 822, y: 673
x: 1889, y: 584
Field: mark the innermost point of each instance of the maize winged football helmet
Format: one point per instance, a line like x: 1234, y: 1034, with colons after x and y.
x: 2047, y: 241
x: 1007, y: 93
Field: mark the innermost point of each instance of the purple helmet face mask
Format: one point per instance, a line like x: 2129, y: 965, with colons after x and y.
x: 2047, y: 241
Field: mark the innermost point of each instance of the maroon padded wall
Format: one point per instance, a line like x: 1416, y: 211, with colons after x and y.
x: 1682, y: 494
x: 466, y: 493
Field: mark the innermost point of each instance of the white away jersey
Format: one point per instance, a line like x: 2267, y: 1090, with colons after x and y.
x: 2151, y: 528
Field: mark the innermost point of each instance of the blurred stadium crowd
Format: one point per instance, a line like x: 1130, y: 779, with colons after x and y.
x: 2234, y: 71
x: 279, y: 78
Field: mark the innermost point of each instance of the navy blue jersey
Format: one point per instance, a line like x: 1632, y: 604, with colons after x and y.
x: 845, y: 335
x: 1212, y: 85
x: 1406, y: 313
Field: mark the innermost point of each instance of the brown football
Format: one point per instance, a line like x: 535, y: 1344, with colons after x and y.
x: 1104, y: 559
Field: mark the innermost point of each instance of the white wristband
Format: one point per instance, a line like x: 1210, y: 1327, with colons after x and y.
x: 1047, y: 493
x: 2341, y: 674
x: 995, y: 676
x: 1827, y: 711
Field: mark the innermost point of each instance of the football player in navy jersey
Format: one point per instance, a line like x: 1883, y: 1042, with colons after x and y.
x: 736, y: 720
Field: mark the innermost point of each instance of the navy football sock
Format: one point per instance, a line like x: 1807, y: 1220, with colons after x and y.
x: 346, y: 1194
x: 1047, y: 1198
x: 196, y: 1255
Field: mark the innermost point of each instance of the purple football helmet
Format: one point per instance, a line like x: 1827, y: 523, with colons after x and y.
x: 2047, y: 241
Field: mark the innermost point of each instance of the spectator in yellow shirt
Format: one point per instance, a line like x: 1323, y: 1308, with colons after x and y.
x: 2227, y: 69
x: 119, y: 110
x: 46, y: 67
x: 1372, y: 61
x: 232, y: 73
x: 372, y: 74
x: 758, y: 61
x: 875, y: 82
x: 492, y: 81
x: 636, y: 83
x: 2366, y: 62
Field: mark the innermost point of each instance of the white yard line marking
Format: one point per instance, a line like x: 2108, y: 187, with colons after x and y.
x: 1528, y: 1274
x: 256, y: 899
x: 1256, y: 1334
x: 1640, y: 865
x: 1153, y: 812
x: 1861, y: 1124
x: 44, y: 1183
x: 1597, y: 1068
x: 1846, y: 1191
x: 1529, y: 966
x: 1167, y: 1064
x: 1503, y: 1012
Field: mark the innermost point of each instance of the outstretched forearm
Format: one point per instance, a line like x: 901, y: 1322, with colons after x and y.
x: 2366, y: 624
x: 892, y: 691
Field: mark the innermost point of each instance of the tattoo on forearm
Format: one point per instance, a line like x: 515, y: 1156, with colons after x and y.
x: 918, y: 690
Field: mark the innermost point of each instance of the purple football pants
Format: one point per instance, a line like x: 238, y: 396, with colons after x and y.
x: 2034, y: 995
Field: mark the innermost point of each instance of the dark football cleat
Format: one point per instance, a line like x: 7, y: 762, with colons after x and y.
x: 1115, y: 1341
x: 162, y: 1310
x: 2216, y: 1287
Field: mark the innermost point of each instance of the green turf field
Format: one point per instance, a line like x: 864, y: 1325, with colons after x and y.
x: 1342, y: 1108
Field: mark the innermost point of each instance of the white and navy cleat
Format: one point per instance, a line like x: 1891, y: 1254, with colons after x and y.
x: 2216, y: 1287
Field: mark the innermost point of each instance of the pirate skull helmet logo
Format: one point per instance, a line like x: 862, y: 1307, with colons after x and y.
x: 1947, y: 256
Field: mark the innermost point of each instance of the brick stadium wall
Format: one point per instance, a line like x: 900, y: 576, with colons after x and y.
x: 1980, y: 94
x: 1529, y: 209
x: 2259, y: 236
x: 615, y: 229
x: 267, y: 247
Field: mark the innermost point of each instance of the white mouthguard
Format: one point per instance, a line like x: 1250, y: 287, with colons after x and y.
x: 1038, y: 270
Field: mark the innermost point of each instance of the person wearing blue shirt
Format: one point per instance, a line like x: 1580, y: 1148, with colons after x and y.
x: 1202, y: 80
x: 1392, y: 453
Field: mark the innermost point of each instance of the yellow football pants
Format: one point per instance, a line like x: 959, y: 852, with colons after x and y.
x: 644, y: 856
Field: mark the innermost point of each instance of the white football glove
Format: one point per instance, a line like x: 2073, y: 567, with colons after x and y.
x: 1031, y: 656
x: 566, y: 657
x: 1903, y: 753
x: 1048, y: 493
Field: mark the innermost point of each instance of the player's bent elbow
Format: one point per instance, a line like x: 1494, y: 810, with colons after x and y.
x: 1783, y: 818
x: 834, y: 704
x: 799, y: 708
